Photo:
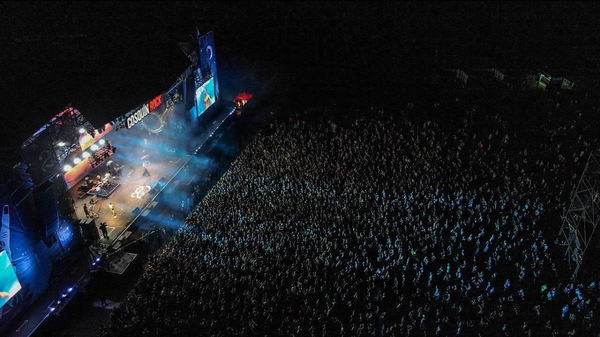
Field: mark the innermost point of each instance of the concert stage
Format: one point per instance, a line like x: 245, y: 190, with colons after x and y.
x: 134, y: 193
x: 49, y: 239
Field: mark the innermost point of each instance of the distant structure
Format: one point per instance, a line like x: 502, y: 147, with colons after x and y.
x: 460, y: 76
x: 583, y: 216
x: 543, y: 81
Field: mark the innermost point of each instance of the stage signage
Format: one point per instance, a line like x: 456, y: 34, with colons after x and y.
x: 137, y: 116
x: 5, y: 230
x: 155, y: 103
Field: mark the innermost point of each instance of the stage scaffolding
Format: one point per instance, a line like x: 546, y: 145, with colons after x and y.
x: 583, y: 216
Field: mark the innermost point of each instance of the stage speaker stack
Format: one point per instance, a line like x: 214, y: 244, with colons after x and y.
x: 88, y: 229
x: 47, y: 206
x: 159, y: 184
x: 189, y: 92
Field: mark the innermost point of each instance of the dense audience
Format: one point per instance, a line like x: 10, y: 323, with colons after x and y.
x: 387, y: 225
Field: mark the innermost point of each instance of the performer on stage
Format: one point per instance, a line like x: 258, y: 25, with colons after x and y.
x: 112, y: 209
x: 145, y: 165
x: 92, y: 211
x: 103, y: 230
x: 117, y: 170
x: 86, y: 211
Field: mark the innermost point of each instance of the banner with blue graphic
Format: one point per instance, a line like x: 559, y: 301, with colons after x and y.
x: 208, y: 58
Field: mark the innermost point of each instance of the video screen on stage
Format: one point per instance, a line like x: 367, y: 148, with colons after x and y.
x: 9, y: 284
x: 205, y: 95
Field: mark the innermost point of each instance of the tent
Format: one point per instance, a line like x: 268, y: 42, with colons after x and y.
x: 244, y: 96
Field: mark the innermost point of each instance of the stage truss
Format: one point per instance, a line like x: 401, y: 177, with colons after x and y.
x: 583, y: 216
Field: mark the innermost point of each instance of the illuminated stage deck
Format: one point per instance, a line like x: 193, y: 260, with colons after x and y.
x: 135, y: 191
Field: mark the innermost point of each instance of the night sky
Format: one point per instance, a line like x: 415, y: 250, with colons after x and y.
x: 354, y: 54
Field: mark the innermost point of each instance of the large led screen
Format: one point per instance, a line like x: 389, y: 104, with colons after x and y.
x: 9, y: 284
x: 205, y: 95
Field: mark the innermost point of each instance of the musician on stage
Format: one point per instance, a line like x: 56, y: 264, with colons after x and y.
x: 145, y: 165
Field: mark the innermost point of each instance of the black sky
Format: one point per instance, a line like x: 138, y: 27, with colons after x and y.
x: 359, y: 53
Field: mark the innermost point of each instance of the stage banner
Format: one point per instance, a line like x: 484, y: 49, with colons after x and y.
x: 208, y: 57
x: 5, y: 230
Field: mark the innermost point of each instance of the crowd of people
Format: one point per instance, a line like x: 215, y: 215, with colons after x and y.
x: 384, y: 225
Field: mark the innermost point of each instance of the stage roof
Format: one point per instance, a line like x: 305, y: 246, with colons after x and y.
x: 107, y: 80
x: 102, y: 67
x: 111, y: 90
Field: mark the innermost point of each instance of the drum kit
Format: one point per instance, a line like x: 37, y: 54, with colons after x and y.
x: 103, y: 186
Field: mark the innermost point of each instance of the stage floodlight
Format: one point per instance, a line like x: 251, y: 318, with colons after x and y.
x: 61, y: 144
x: 76, y: 161
x: 66, y: 168
x: 82, y: 130
x: 85, y: 154
x: 94, y: 147
x: 102, y: 142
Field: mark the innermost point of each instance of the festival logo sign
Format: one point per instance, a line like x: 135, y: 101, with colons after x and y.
x: 137, y: 116
x: 156, y: 102
x: 140, y: 192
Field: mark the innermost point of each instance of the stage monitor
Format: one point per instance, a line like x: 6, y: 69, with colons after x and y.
x: 205, y: 95
x: 9, y: 284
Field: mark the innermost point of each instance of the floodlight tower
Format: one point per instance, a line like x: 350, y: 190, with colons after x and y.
x: 583, y: 216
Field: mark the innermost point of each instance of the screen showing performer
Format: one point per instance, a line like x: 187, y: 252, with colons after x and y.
x: 9, y: 284
x: 205, y: 96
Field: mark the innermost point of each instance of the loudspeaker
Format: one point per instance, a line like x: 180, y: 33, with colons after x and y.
x: 136, y: 211
x: 189, y: 92
x: 47, y: 206
x: 88, y: 229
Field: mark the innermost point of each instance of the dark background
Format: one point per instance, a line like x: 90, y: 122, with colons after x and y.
x: 114, y: 56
